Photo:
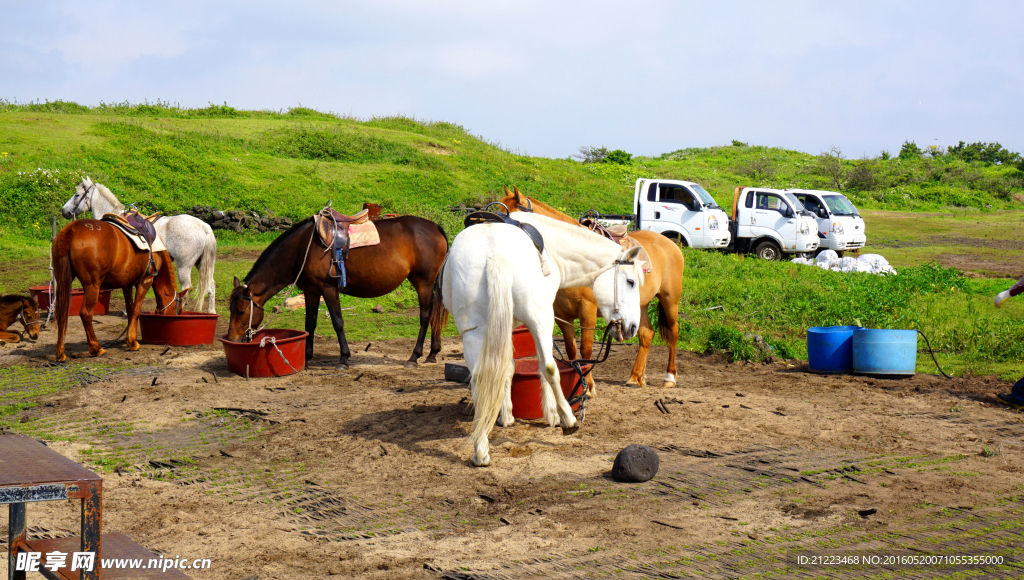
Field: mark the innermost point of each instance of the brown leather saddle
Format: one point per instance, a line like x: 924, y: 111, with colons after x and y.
x: 332, y: 229
x: 135, y: 221
x: 613, y: 233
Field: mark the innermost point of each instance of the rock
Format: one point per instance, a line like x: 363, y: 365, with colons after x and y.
x: 1018, y: 197
x: 378, y: 309
x: 456, y: 373
x: 635, y: 463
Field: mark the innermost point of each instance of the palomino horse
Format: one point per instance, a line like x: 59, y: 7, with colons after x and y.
x: 664, y: 282
x: 189, y: 240
x: 100, y: 256
x: 495, y: 276
x: 23, y: 309
x: 410, y: 248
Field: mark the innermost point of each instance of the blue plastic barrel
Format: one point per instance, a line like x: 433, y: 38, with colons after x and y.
x: 884, y: 352
x: 830, y: 348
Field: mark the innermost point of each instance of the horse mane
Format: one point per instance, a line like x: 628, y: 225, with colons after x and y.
x: 272, y: 249
x: 109, y: 195
x: 12, y: 298
x: 537, y: 203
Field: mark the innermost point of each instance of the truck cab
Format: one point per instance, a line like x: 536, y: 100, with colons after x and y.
x: 840, y: 226
x: 681, y: 210
x: 770, y: 223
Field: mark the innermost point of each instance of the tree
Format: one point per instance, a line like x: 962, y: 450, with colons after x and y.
x: 591, y: 154
x: 910, y: 150
x: 830, y: 166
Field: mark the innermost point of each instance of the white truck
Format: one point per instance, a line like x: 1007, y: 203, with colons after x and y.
x: 840, y: 226
x: 680, y: 210
x: 767, y: 222
x: 770, y: 223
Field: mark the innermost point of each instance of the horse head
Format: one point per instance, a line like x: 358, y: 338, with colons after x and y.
x: 246, y: 314
x: 81, y: 201
x: 30, y: 317
x: 617, y: 291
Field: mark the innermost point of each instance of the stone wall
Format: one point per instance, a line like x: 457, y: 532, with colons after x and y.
x: 240, y: 221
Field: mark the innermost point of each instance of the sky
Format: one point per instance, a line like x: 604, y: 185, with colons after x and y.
x: 546, y: 77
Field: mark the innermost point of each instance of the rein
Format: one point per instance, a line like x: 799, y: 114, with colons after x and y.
x: 249, y: 331
x: 87, y: 194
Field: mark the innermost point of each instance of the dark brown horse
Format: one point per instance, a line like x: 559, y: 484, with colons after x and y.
x: 100, y: 256
x: 410, y: 248
x: 16, y: 308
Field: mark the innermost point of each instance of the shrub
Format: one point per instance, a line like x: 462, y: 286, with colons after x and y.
x: 910, y: 150
x: 618, y: 157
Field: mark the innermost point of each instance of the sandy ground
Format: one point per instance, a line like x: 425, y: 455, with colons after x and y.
x: 365, y: 473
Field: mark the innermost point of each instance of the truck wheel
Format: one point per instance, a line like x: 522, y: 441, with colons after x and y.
x: 768, y: 250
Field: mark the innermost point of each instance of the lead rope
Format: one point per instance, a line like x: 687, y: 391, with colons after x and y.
x: 249, y: 332
x: 273, y: 342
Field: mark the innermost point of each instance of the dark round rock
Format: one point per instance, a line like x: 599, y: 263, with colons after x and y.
x: 636, y: 463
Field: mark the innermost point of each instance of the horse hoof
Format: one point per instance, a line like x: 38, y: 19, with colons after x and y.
x: 103, y: 350
x: 482, y: 462
x: 570, y: 430
x: 341, y: 367
x: 411, y: 364
x: 430, y: 359
x: 668, y: 384
x: 632, y: 382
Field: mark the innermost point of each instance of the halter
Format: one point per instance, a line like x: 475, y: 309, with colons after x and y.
x: 78, y: 204
x: 615, y: 285
x: 528, y: 208
x: 21, y: 318
x: 249, y: 332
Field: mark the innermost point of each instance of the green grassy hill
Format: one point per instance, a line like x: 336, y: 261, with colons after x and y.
x: 166, y: 158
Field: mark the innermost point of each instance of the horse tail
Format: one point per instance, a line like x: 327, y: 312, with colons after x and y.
x: 664, y: 326
x: 493, y: 371
x: 438, y: 313
x: 206, y: 264
x: 60, y: 253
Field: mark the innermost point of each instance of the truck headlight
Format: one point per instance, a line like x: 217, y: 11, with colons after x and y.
x: 837, y: 228
x: 805, y: 229
x: 713, y: 224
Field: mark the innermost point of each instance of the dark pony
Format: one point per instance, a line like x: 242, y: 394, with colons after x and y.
x: 410, y: 248
x: 17, y: 308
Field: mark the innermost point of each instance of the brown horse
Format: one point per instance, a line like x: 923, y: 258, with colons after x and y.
x: 100, y: 256
x: 410, y: 248
x: 16, y: 308
x: 665, y: 282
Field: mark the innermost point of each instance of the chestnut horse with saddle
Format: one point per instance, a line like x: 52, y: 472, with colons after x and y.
x: 664, y: 282
x: 101, y: 255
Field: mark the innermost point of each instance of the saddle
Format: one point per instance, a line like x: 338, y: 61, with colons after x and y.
x: 332, y: 228
x: 139, y: 224
x: 613, y: 233
x: 487, y: 217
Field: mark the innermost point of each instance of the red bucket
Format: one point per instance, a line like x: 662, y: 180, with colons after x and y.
x: 42, y: 296
x: 250, y: 359
x: 526, y: 387
x: 185, y: 329
x: 522, y: 343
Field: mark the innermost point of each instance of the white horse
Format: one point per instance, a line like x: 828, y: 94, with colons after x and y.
x: 494, y: 277
x: 189, y: 240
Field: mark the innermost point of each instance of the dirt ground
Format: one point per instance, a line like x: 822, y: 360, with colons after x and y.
x: 365, y: 473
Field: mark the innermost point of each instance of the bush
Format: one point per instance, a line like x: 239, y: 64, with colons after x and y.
x: 910, y: 150
x: 618, y: 157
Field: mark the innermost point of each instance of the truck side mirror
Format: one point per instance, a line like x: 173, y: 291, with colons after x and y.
x: 822, y: 212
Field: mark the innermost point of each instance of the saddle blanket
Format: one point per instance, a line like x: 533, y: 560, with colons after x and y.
x: 137, y: 240
x: 645, y: 260
x: 364, y: 234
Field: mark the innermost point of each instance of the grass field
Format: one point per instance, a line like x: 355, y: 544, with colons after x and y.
x: 293, y: 162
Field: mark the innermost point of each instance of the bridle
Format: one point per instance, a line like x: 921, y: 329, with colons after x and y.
x: 249, y: 332
x: 527, y: 208
x: 615, y: 286
x: 24, y: 322
x: 85, y: 195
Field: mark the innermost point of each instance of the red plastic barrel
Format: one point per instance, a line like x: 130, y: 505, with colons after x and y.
x: 185, y: 329
x: 526, y: 387
x: 42, y: 296
x: 252, y: 360
x: 522, y: 343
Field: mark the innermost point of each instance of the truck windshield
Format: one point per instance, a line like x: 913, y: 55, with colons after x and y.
x: 704, y: 196
x: 840, y: 205
x: 797, y: 206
